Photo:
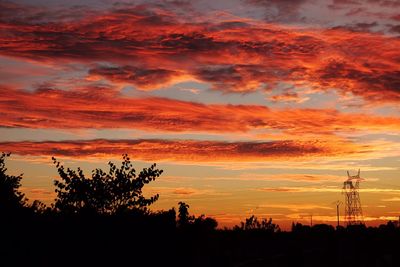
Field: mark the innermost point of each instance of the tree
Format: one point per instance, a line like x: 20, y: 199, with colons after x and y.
x: 253, y: 223
x: 11, y: 199
x: 205, y: 223
x: 201, y: 223
x: 112, y: 192
x: 183, y: 215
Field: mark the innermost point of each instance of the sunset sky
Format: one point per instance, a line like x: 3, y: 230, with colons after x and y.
x: 249, y: 106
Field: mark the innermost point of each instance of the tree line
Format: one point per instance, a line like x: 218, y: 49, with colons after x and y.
x: 105, y: 220
x: 115, y: 192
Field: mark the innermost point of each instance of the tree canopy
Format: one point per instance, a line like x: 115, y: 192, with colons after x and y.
x: 105, y: 193
x: 11, y: 199
x: 252, y: 223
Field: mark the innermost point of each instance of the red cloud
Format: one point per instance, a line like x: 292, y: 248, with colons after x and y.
x: 153, y: 47
x: 185, y: 150
x: 98, y: 107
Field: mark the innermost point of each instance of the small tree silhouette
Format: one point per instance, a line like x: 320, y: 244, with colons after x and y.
x: 252, y: 223
x: 201, y: 223
x: 11, y: 199
x: 205, y: 223
x: 118, y: 190
x: 183, y: 215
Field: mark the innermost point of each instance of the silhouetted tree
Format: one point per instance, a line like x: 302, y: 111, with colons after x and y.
x: 201, y: 223
x: 39, y: 207
x: 11, y: 199
x: 112, y: 192
x: 323, y: 228
x: 253, y: 223
x: 183, y: 214
x: 205, y: 223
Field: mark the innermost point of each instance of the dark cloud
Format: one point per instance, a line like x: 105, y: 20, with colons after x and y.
x: 229, y: 25
x: 245, y: 78
x: 232, y: 77
x: 336, y: 3
x: 375, y: 85
x: 395, y: 29
x: 386, y: 3
x: 359, y: 27
x: 279, y: 10
x: 138, y: 76
x: 343, y: 4
x: 188, y: 42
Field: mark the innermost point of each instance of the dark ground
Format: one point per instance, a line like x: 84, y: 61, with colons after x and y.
x: 156, y: 241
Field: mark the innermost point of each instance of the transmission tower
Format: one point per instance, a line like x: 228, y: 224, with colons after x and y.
x: 353, y: 210
x: 337, y: 203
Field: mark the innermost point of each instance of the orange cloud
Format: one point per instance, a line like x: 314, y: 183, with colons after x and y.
x: 392, y: 199
x: 175, y: 193
x: 310, y: 178
x: 288, y: 97
x: 99, y: 107
x: 185, y: 150
x: 184, y: 191
x: 296, y: 207
x: 46, y: 195
x: 333, y: 218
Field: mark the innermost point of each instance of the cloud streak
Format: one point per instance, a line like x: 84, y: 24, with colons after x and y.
x: 325, y: 190
x: 100, y: 107
x: 183, y: 150
x: 309, y: 178
x: 295, y: 207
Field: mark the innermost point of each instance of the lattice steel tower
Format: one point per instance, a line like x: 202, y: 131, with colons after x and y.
x: 353, y: 210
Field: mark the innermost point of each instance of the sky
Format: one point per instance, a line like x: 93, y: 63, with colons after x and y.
x: 249, y: 106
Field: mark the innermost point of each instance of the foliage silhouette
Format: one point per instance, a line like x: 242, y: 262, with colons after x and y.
x: 105, y: 193
x: 183, y: 216
x: 252, y: 223
x: 187, y: 221
x: 205, y: 223
x: 11, y: 199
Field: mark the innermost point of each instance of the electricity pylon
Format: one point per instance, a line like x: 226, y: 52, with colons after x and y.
x: 353, y: 210
x: 337, y: 203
